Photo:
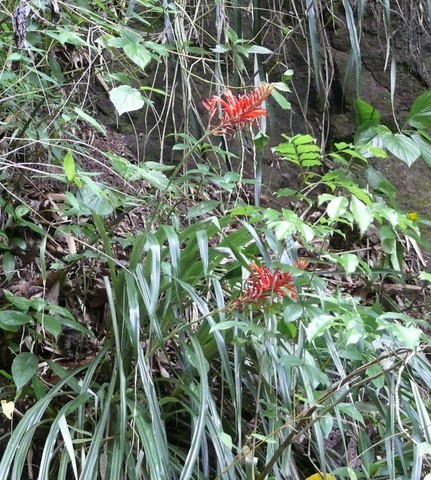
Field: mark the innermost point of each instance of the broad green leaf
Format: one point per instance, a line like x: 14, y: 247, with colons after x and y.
x: 281, y: 86
x: 94, y: 198
x: 292, y: 312
x: 318, y: 325
x: 66, y: 36
x: 281, y: 100
x: 325, y: 197
x: 424, y: 146
x: 403, y: 147
x: 50, y: 324
x: 69, y: 166
x: 263, y: 438
x: 337, y: 207
x: 326, y: 424
x: 361, y: 213
x: 226, y: 439
x: 131, y: 172
x: 126, y: 99
x: 259, y: 50
x: 180, y: 146
x: 91, y: 121
x: 116, y: 42
x: 349, y: 262
x: 24, y: 366
x: 306, y: 231
x: 290, y: 361
x: 62, y: 321
x: 410, y: 336
x: 366, y: 133
x: 8, y: 263
x: 374, y: 370
x: 20, y: 303
x: 202, y: 208
x: 10, y: 320
x: 302, y: 139
x: 366, y: 113
x: 159, y: 49
x: 220, y: 48
x: 360, y: 193
x: 374, y: 177
x: 260, y: 140
x: 229, y: 324
x: 351, y: 411
x: 425, y: 276
x: 388, y: 239
x: 420, y: 112
x: 138, y: 54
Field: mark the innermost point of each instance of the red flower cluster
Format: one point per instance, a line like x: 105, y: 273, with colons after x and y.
x: 263, y: 284
x: 238, y: 111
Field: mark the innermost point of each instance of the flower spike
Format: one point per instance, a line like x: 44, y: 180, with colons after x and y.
x: 263, y: 284
x: 238, y: 111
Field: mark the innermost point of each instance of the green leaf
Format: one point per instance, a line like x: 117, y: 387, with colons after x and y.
x: 281, y: 100
x: 67, y: 36
x: 131, y: 172
x: 349, y: 262
x: 351, y: 411
x: 8, y: 263
x: 409, y: 336
x: 291, y: 361
x: 69, y: 166
x: 126, y: 99
x: 403, y: 147
x: 226, y: 440
x: 361, y: 213
x: 202, y: 208
x: 374, y: 177
x: 420, y: 112
x: 50, y: 324
x: 10, y: 320
x: 24, y: 366
x: 388, y: 239
x: 318, y: 326
x: 425, y: 276
x: 378, y: 382
x: 93, y: 197
x: 292, y: 312
x: 366, y: 113
x: 138, y: 54
x: 20, y: 303
x: 337, y: 207
x: 260, y: 140
x: 91, y: 121
x: 263, y: 438
x: 259, y: 50
x: 424, y: 146
x: 281, y: 86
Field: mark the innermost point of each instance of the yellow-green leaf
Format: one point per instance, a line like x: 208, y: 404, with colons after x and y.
x: 69, y: 166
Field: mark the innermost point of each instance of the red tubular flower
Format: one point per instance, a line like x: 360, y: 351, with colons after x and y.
x: 263, y: 284
x: 238, y: 111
